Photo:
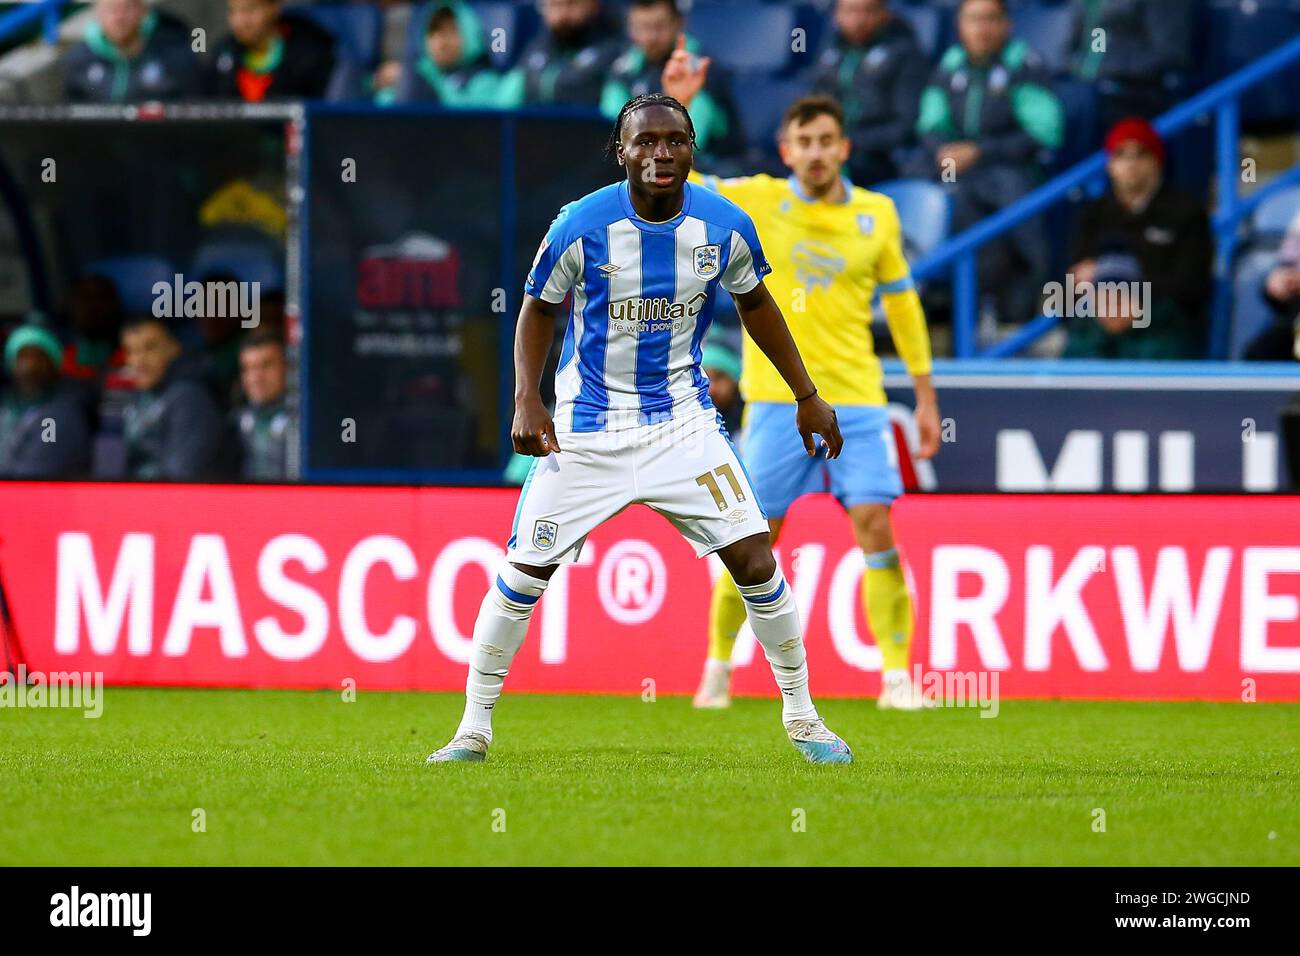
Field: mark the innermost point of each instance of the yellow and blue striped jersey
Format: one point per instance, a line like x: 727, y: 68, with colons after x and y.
x: 828, y: 261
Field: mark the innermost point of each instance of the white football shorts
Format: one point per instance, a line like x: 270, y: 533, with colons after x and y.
x: 687, y: 471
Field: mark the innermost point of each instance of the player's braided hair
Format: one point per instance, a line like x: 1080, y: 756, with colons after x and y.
x: 634, y: 104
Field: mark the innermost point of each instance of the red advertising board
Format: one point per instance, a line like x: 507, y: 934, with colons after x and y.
x: 1083, y: 597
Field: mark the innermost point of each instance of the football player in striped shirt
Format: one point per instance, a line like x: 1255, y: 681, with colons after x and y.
x: 642, y: 263
x: 834, y: 246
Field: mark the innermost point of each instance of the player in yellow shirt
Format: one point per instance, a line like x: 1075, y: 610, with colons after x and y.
x: 832, y: 246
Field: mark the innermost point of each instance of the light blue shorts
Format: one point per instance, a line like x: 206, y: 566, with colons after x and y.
x: 781, y: 471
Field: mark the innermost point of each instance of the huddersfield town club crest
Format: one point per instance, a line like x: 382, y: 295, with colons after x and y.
x: 707, y: 259
x: 544, y: 535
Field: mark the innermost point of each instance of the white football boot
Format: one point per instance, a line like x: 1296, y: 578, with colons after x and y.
x: 817, y: 742
x: 715, y: 686
x: 897, y: 692
x: 463, y: 748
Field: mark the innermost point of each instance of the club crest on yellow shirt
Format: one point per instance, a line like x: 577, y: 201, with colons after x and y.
x: 866, y: 223
x: 707, y: 259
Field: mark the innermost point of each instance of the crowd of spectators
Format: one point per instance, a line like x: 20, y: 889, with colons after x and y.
x: 129, y: 396
x: 135, y: 396
x: 984, y: 120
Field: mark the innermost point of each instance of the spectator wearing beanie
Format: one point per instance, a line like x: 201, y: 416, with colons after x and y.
x: 1143, y: 230
x: 43, y: 430
x: 722, y: 366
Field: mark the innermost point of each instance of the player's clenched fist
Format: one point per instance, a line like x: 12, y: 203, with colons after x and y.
x: 533, y: 431
x: 814, y: 416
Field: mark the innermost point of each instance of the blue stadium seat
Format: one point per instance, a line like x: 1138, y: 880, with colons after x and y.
x: 356, y: 27
x: 1079, y: 104
x: 761, y: 100
x: 1251, y: 314
x: 1046, y: 28
x: 246, y: 260
x: 931, y: 25
x: 134, y: 276
x: 924, y: 211
x: 1276, y: 213
x: 1240, y: 31
x: 745, y: 38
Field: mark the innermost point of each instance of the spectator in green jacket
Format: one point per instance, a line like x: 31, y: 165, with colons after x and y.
x: 567, y: 62
x: 263, y: 422
x: 875, y: 68
x: 988, y: 126
x: 453, y: 67
x: 131, y: 53
x: 654, y: 26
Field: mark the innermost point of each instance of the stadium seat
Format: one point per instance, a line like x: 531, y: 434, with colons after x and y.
x: 1251, y: 314
x: 1240, y: 31
x: 134, y: 276
x: 929, y: 23
x: 246, y: 260
x: 1079, y: 104
x: 356, y: 27
x: 1046, y: 28
x: 924, y: 211
x: 1276, y: 213
x: 756, y: 38
x: 764, y: 100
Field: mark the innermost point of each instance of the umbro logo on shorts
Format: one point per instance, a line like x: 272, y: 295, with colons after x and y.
x: 737, y: 516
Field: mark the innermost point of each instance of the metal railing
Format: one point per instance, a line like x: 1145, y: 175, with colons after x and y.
x: 49, y: 12
x: 956, y: 256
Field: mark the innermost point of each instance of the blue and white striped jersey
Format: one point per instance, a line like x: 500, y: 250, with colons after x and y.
x: 643, y: 296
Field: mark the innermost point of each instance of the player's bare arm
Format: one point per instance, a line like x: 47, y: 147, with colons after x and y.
x: 927, y: 415
x: 533, y: 430
x: 766, y: 326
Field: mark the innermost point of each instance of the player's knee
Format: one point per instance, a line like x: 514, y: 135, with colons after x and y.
x: 542, y: 574
x: 755, y: 566
x: 516, y: 591
x: 872, y: 527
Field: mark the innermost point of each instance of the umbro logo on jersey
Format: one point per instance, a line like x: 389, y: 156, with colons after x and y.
x: 608, y: 269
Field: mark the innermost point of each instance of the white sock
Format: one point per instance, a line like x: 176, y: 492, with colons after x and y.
x: 498, y: 634
x: 775, y: 621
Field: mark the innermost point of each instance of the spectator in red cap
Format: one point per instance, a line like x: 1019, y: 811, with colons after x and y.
x: 1145, y: 250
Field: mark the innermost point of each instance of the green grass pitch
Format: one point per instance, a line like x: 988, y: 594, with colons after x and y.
x: 305, y: 778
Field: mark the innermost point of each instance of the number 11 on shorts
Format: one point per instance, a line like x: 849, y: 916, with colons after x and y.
x: 707, y: 480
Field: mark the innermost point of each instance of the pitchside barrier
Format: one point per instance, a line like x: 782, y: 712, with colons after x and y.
x: 1103, y: 596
